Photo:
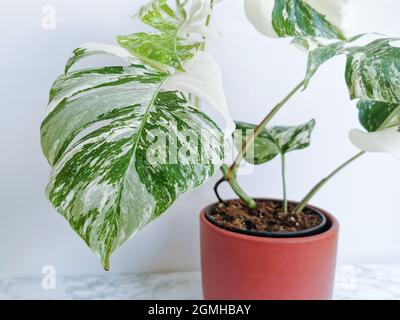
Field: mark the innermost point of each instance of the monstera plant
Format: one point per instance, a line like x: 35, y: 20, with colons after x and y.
x: 102, y: 124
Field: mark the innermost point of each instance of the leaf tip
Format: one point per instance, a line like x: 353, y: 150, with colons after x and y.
x: 106, y: 264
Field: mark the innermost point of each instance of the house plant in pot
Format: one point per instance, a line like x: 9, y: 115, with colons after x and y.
x: 124, y: 142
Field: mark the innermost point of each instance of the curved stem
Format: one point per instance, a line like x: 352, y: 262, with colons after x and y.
x: 285, y: 202
x: 236, y: 188
x: 232, y: 182
x: 246, y: 146
x: 219, y: 182
x: 322, y: 183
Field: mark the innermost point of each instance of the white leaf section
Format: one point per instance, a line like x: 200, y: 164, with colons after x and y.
x: 337, y: 12
x: 86, y: 50
x: 93, y: 48
x: 203, y: 79
x: 386, y: 140
x: 259, y: 13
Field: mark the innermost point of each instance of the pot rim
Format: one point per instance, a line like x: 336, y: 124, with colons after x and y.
x: 333, y: 229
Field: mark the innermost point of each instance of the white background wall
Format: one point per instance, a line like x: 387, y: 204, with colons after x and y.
x: 258, y: 73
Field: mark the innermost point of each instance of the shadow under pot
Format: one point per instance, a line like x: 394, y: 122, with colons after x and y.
x: 242, y: 264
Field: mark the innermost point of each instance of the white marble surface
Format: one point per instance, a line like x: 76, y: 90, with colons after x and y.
x: 352, y: 282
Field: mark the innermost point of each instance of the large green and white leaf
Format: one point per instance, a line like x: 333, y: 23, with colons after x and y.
x: 273, y: 141
x: 99, y: 136
x: 373, y: 71
x: 373, y: 74
x: 292, y: 18
x: 179, y: 33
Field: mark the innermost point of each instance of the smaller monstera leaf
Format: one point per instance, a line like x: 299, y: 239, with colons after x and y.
x: 264, y: 148
x: 293, y: 18
x: 179, y: 33
x: 373, y: 76
x: 106, y: 133
x: 273, y: 141
x: 382, y: 121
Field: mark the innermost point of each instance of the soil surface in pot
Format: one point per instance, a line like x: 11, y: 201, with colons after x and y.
x: 269, y: 216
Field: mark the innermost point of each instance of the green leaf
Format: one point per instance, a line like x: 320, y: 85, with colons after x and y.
x: 292, y: 138
x: 373, y: 71
x: 292, y: 18
x: 104, y: 134
x: 273, y: 141
x: 264, y: 149
x: 319, y: 53
x: 179, y: 35
x: 373, y: 74
x: 377, y: 115
x: 319, y: 56
x: 382, y: 121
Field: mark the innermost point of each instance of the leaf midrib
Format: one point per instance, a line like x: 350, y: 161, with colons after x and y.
x: 136, y: 144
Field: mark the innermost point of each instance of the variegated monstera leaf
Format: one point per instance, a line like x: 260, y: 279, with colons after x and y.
x: 105, y: 136
x: 124, y: 141
x: 273, y: 141
x: 293, y: 18
x: 372, y: 76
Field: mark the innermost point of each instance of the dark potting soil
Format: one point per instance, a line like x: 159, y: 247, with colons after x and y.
x: 269, y: 216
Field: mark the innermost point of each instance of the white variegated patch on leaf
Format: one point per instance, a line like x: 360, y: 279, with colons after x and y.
x: 203, y: 78
x: 95, y: 48
x: 101, y: 136
x: 292, y: 18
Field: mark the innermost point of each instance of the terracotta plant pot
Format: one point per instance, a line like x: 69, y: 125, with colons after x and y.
x: 237, y: 266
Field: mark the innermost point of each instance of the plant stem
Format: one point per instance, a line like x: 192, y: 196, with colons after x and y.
x: 285, y: 202
x: 237, y: 189
x: 318, y: 187
x: 197, y: 100
x: 232, y: 182
x: 246, y: 146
